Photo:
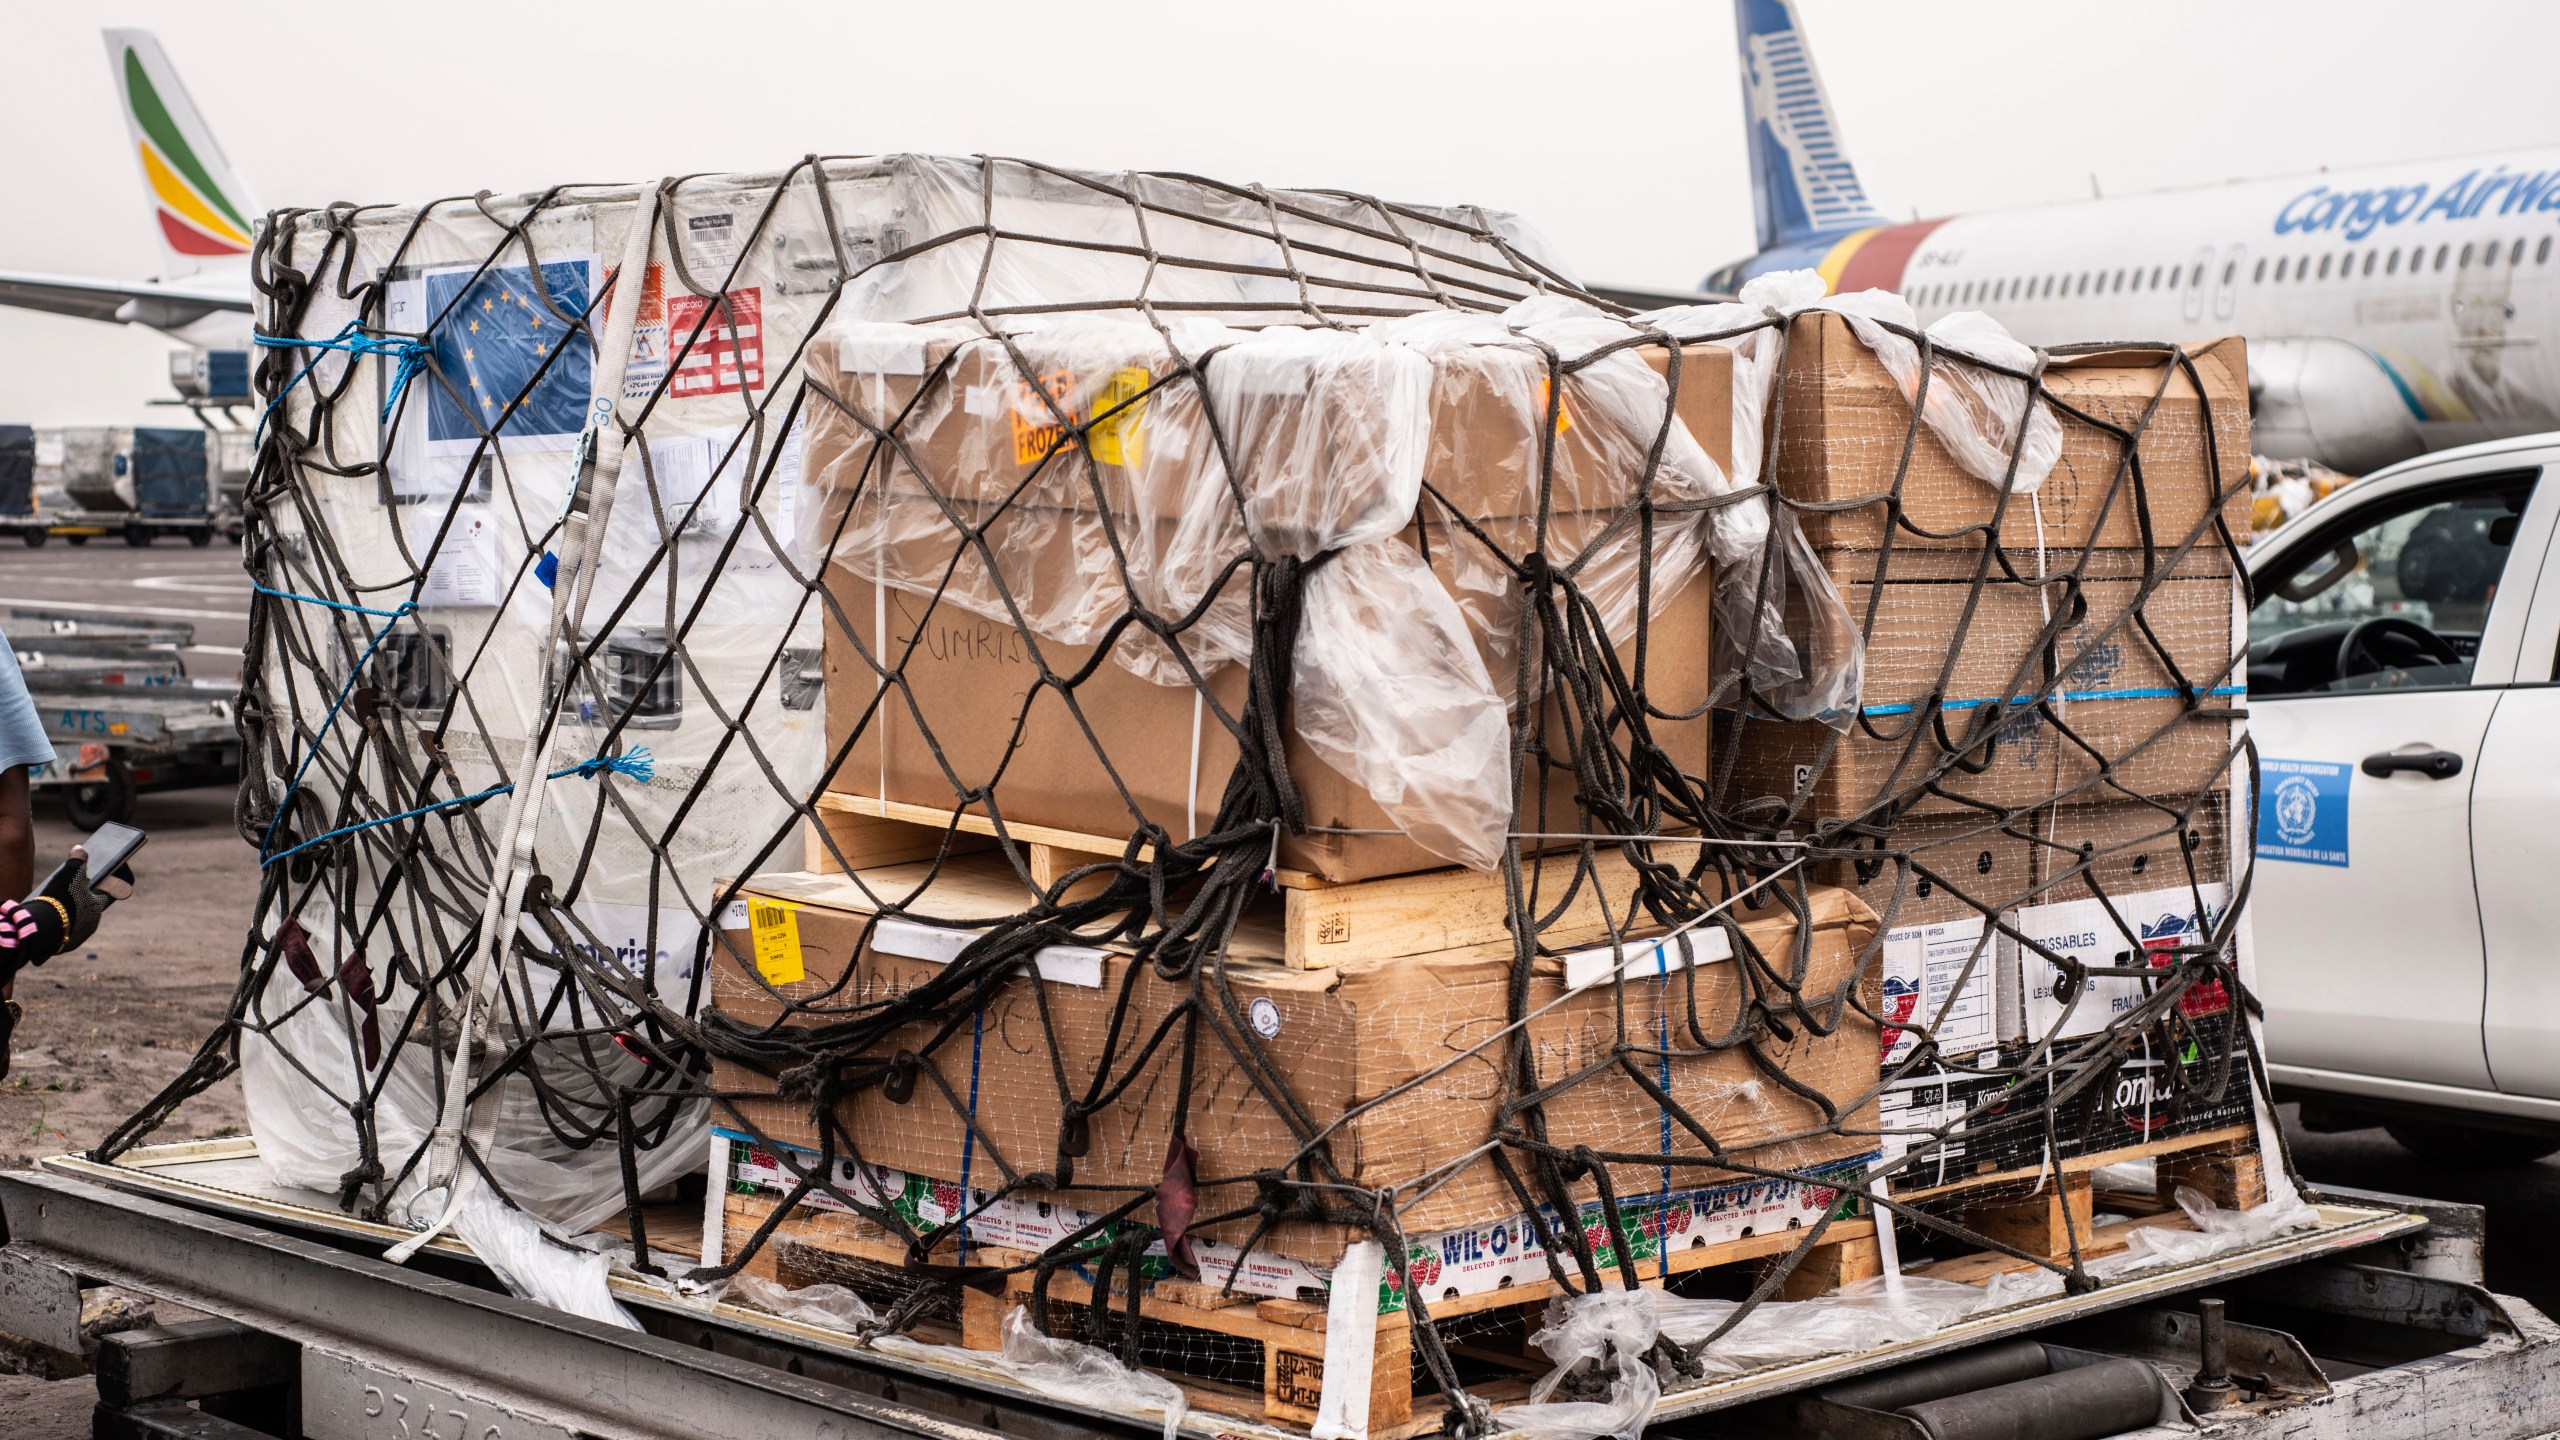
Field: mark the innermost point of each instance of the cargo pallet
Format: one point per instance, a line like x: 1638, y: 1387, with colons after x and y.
x: 1221, y: 1338
x: 301, y: 1304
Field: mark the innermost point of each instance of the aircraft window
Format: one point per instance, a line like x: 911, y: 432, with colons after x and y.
x: 2489, y: 253
x: 2516, y: 256
x: 2120, y: 274
x: 2230, y: 269
x: 2324, y: 267
x: 2198, y: 277
x: 2155, y: 277
x: 2370, y: 258
x: 2441, y: 252
x: 2465, y: 261
x: 2260, y: 277
x: 2542, y: 252
x: 2346, y: 265
x: 2084, y: 283
x: 2392, y: 265
x: 2048, y: 287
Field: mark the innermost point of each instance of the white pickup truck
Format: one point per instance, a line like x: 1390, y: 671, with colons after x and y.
x: 2403, y: 640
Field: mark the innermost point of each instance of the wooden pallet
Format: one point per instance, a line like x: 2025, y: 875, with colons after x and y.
x: 814, y: 1246
x: 2043, y: 1214
x: 1322, y: 922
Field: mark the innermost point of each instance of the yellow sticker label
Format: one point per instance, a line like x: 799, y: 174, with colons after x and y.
x: 776, y: 925
x: 1117, y: 438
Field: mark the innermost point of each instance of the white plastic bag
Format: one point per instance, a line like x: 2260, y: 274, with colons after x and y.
x: 1067, y: 1369
x: 531, y: 1264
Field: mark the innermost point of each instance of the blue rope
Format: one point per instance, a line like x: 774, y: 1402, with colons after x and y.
x: 285, y: 806
x: 404, y: 609
x: 351, y: 340
x: 634, y: 763
x: 2146, y: 692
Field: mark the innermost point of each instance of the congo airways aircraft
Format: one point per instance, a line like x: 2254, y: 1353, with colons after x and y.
x: 2389, y: 310
x: 204, y: 215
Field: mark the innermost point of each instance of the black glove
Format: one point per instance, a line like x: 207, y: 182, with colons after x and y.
x: 81, y: 904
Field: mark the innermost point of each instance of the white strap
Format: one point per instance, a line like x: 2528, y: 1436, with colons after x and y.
x: 1191, y: 792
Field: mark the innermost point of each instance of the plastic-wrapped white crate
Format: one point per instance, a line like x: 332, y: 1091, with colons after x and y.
x: 463, y: 376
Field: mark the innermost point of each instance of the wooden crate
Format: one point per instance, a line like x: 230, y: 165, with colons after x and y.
x: 2043, y: 1214
x: 1321, y: 922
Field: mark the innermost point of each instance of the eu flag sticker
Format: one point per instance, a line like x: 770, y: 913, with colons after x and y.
x: 497, y: 334
x: 2303, y: 816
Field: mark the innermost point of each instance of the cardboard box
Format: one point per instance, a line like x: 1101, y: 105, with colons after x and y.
x: 1842, y: 431
x: 1960, y: 864
x: 2133, y: 847
x: 1937, y: 631
x: 1340, y: 1040
x: 1124, y: 749
x: 1982, y: 1136
x: 2108, y: 933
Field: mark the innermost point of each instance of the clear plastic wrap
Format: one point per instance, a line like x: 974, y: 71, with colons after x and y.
x: 1977, y: 414
x: 1609, y: 1332
x: 2218, y: 1231
x: 533, y: 1265
x: 1067, y: 1369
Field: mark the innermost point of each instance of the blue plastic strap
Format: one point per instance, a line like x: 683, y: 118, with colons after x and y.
x: 2145, y: 692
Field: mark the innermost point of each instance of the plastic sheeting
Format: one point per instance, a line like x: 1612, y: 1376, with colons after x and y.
x: 1611, y: 1330
x: 1314, y: 445
x: 1066, y: 1369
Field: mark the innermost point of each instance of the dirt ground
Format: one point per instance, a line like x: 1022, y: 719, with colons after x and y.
x: 108, y: 1026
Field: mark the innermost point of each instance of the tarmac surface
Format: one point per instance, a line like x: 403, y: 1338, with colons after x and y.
x: 106, y: 1030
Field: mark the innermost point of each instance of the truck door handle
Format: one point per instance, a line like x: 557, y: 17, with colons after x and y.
x: 2434, y: 764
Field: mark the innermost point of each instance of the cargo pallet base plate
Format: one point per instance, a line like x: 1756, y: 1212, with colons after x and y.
x: 200, y: 1225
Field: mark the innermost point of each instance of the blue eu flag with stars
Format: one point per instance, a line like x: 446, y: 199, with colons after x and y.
x: 490, y: 344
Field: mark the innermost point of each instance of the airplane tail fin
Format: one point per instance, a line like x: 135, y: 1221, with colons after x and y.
x: 203, y: 211
x: 1802, y: 183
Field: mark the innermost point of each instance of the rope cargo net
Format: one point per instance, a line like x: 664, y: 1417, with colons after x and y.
x: 1091, y: 735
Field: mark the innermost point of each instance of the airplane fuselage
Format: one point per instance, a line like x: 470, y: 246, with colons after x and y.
x: 2389, y: 309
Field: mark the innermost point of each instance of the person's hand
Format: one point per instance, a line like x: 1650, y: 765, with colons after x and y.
x: 118, y: 886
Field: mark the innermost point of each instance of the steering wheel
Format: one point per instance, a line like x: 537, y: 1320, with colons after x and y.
x: 2357, y: 656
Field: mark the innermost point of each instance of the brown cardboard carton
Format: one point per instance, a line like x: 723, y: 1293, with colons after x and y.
x: 1844, y: 423
x: 973, y: 716
x: 1393, y: 1063
x: 1933, y: 629
x: 1960, y: 866
x: 2134, y: 847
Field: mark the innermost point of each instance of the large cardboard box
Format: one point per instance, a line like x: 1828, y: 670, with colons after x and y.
x: 1845, y: 421
x: 1938, y: 631
x: 973, y: 718
x: 1393, y: 1065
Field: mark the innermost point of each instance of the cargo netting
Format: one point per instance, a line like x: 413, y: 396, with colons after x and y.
x: 1054, y: 738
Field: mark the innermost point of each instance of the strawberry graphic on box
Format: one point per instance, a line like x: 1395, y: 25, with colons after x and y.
x: 1901, y: 999
x: 2161, y: 939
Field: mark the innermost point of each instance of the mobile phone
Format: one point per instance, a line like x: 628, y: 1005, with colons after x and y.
x: 110, y: 846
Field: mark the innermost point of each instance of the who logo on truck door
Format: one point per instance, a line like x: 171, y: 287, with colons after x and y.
x: 2303, y: 815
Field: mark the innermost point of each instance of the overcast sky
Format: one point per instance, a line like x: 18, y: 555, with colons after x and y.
x: 1613, y: 126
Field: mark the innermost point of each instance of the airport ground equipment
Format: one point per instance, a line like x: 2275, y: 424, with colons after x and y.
x: 140, y: 483
x: 124, y: 716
